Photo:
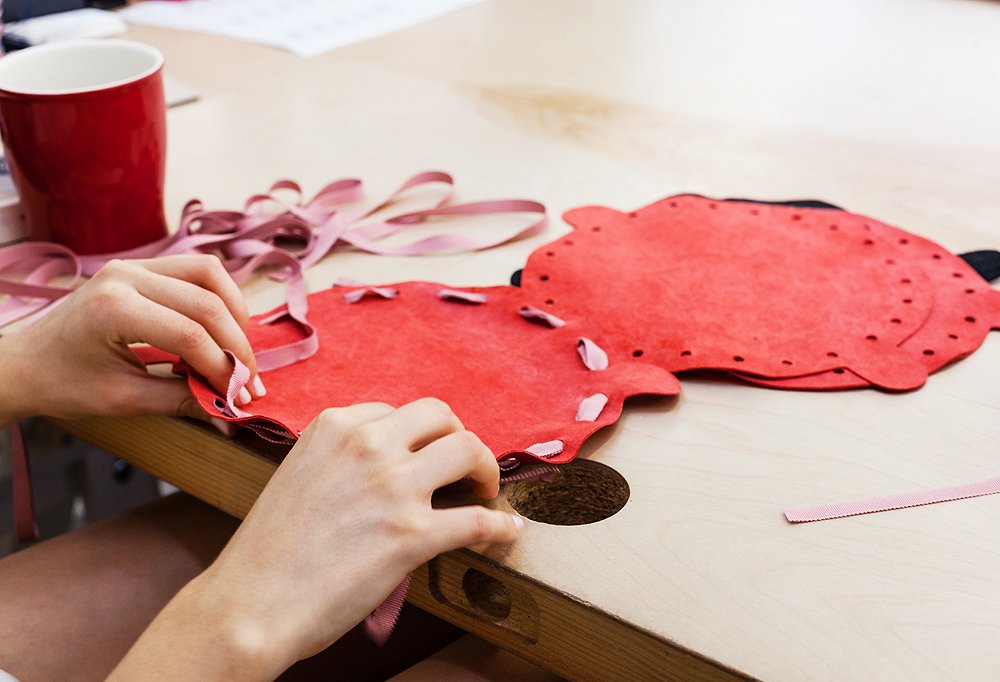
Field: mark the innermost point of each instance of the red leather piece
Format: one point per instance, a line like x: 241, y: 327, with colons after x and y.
x: 514, y: 382
x: 775, y: 292
x: 965, y: 308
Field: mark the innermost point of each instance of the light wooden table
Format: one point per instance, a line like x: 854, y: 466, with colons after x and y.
x: 886, y: 107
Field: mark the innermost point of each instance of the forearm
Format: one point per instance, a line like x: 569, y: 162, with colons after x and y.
x: 15, y: 382
x: 203, y: 633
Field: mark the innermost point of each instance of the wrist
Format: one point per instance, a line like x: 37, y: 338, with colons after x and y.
x: 204, y: 634
x: 16, y: 385
x: 240, y: 635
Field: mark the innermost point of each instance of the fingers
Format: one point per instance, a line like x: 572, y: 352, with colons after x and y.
x: 465, y: 526
x: 336, y: 420
x: 206, y: 272
x: 204, y: 307
x: 183, y: 305
x: 418, y: 423
x: 169, y: 330
x: 145, y: 394
x: 455, y: 456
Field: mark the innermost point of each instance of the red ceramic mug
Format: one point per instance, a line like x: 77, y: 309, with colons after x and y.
x: 84, y: 127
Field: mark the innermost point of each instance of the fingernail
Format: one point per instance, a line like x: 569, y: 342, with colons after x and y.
x: 258, y: 387
x: 244, y: 397
x: 518, y: 521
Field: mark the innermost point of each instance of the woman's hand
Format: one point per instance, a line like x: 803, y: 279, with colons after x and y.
x: 346, y: 516
x: 75, y: 361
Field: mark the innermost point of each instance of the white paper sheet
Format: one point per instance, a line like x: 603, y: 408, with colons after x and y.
x: 304, y: 27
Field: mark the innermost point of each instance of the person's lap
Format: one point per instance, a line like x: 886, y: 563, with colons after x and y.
x: 73, y: 605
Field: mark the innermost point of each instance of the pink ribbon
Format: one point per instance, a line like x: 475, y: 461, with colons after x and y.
x: 382, y: 621
x: 25, y: 525
x: 529, y: 312
x: 546, y: 473
x: 249, y: 239
x: 549, y: 448
x: 463, y: 296
x: 590, y: 408
x: 358, y: 294
x: 593, y: 356
x: 889, y: 502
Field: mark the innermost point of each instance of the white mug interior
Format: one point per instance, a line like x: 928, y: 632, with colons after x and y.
x: 77, y: 66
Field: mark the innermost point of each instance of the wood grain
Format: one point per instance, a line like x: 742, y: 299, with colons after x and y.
x: 882, y: 106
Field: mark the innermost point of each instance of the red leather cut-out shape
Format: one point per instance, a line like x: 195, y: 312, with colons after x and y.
x: 515, y: 382
x: 771, y: 291
x: 965, y: 309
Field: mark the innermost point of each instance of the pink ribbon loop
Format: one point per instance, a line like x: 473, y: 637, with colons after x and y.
x: 529, y: 312
x: 590, y: 408
x: 358, y: 294
x: 593, y: 356
x: 547, y: 449
x: 463, y: 296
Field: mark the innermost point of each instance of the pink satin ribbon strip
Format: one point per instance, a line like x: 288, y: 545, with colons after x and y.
x: 593, y: 356
x: 549, y: 448
x: 546, y: 473
x: 590, y: 408
x: 530, y: 312
x: 382, y: 621
x: 890, y: 502
x: 25, y: 525
x: 358, y: 294
x: 463, y: 296
x: 256, y: 237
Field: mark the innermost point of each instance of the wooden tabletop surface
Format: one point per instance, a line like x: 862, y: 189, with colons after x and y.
x: 887, y: 107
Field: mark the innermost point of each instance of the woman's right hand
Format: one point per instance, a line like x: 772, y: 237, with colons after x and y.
x: 345, y: 517
x: 76, y: 361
